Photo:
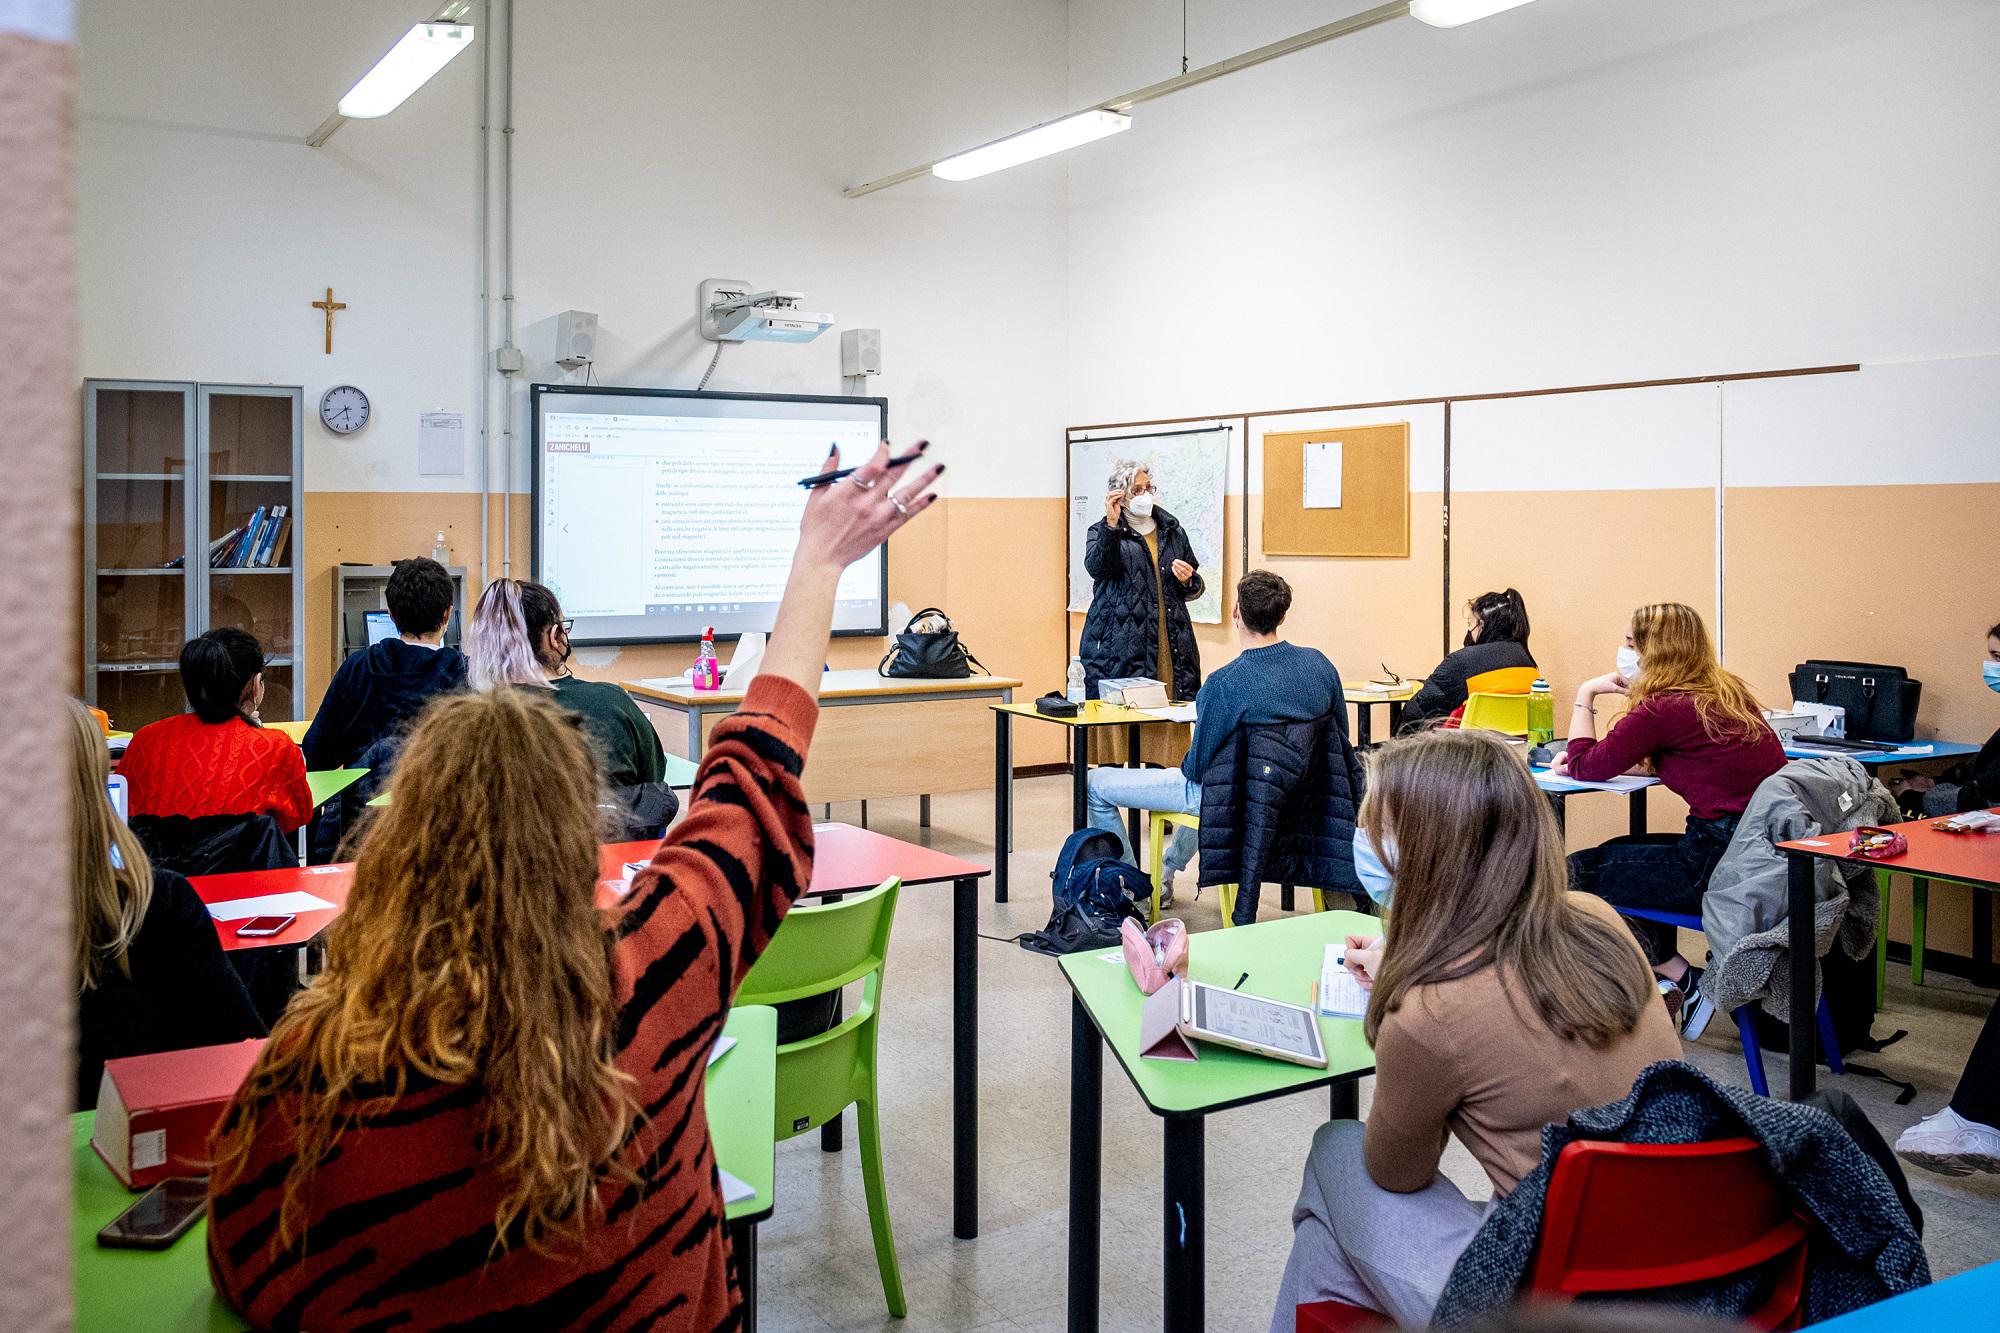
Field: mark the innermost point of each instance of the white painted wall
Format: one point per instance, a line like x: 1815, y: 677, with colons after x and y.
x: 656, y: 144
x: 1579, y: 191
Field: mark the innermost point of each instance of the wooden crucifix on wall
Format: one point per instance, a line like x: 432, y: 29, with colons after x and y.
x: 329, y: 305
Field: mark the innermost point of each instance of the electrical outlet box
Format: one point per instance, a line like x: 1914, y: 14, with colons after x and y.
x: 508, y: 360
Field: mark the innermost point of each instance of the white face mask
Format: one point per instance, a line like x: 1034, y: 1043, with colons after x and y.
x: 1140, y: 506
x: 1628, y: 663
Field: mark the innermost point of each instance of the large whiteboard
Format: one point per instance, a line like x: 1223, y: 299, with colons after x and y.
x: 1191, y: 469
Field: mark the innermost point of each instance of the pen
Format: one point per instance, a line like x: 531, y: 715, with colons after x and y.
x: 1312, y: 1001
x: 1240, y: 980
x: 842, y: 474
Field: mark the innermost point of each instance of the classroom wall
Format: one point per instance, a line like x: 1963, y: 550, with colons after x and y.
x: 641, y: 167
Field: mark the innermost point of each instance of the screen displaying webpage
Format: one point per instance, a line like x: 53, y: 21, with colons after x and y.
x: 658, y: 515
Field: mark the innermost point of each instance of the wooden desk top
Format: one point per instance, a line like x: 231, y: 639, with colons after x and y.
x: 858, y: 683
x: 1368, y: 692
x: 1095, y: 713
x: 1968, y: 858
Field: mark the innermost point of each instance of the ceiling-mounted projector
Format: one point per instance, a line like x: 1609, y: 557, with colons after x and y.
x: 730, y: 312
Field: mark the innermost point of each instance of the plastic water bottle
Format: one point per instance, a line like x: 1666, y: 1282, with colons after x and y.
x: 1541, y: 714
x: 707, y: 675
x: 1075, y: 692
x: 439, y: 551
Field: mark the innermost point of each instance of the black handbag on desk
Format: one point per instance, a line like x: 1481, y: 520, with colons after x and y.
x: 1881, y: 701
x: 932, y: 653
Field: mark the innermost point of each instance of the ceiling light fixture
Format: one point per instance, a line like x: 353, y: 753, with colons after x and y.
x: 1041, y: 141
x: 409, y: 65
x: 1114, y: 114
x: 1454, y: 13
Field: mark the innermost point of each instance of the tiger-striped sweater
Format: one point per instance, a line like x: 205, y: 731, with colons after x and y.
x: 400, y: 1222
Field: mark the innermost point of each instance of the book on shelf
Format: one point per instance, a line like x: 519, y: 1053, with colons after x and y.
x: 219, y: 550
x: 275, y: 530
x: 240, y: 557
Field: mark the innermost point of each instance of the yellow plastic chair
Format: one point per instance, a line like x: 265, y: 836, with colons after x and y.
x: 1498, y: 700
x: 1503, y: 680
x: 1158, y: 839
x: 821, y: 948
x: 296, y: 730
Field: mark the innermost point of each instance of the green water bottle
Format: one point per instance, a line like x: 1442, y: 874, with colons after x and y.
x: 1541, y: 714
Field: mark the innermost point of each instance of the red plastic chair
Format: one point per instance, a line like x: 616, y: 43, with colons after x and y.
x: 1602, y: 1232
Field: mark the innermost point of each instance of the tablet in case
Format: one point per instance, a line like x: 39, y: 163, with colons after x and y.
x: 1160, y: 1036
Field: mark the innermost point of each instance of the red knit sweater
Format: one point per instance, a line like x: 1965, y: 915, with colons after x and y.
x: 185, y: 766
x: 399, y: 1230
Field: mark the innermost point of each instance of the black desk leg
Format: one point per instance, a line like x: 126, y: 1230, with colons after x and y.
x: 1135, y: 820
x: 1003, y: 801
x: 1285, y: 897
x: 1086, y: 1179
x: 1364, y: 725
x: 743, y: 1241
x: 1799, y: 928
x: 829, y: 1132
x: 1079, y: 776
x: 1395, y: 717
x: 1637, y: 817
x: 964, y: 1060
x: 1184, y: 1225
x: 1344, y: 1100
x: 1983, y: 970
x: 1561, y: 807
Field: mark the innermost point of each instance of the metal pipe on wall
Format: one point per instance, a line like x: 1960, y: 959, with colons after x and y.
x: 507, y: 291
x: 482, y: 356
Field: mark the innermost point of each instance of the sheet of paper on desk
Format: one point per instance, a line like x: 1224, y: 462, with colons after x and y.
x: 722, y: 1047
x: 666, y: 682
x: 1624, y: 782
x: 269, y: 904
x: 734, y: 1190
x: 1172, y: 712
x: 1322, y: 479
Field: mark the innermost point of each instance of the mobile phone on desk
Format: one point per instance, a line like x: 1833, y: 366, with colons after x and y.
x: 257, y: 927
x: 160, y: 1217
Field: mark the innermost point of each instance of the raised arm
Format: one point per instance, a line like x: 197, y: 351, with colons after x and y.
x: 743, y: 853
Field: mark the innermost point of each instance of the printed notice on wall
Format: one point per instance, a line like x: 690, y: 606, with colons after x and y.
x: 441, y: 444
x: 1322, y: 480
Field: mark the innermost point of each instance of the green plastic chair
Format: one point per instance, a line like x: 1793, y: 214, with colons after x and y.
x: 821, y: 948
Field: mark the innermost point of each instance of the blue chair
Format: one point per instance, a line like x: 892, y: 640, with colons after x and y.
x: 1746, y: 1018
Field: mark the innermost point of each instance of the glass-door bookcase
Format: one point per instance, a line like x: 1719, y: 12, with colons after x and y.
x: 192, y: 496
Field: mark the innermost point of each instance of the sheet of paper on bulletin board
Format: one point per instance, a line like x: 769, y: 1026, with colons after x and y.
x: 1342, y: 492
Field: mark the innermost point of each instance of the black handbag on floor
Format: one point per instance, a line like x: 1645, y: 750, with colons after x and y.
x: 1881, y: 701
x: 930, y: 654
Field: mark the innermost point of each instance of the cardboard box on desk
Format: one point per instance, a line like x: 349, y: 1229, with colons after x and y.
x: 155, y: 1112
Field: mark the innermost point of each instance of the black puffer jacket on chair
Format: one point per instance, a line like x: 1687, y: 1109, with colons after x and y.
x: 1121, y: 635
x: 1278, y: 806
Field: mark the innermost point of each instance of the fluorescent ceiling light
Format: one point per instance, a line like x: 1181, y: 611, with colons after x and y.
x: 1041, y: 141
x: 422, y: 52
x: 1453, y: 13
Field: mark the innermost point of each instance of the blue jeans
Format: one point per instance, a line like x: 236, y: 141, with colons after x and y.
x: 1113, y: 789
x: 1662, y: 872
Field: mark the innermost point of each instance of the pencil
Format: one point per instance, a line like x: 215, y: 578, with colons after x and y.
x: 1313, y: 1002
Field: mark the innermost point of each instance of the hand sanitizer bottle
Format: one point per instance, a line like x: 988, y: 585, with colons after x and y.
x: 707, y: 675
x: 1077, y: 689
x: 440, y: 552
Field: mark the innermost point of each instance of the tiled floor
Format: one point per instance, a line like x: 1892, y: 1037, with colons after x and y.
x: 818, y: 1267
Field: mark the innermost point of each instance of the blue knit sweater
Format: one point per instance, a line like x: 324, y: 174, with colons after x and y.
x: 1278, y: 683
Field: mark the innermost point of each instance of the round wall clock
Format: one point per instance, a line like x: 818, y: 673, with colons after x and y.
x: 343, y: 409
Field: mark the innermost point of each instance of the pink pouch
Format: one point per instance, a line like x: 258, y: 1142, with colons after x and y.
x: 1156, y: 954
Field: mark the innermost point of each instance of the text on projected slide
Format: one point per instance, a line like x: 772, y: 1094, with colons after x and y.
x: 649, y: 514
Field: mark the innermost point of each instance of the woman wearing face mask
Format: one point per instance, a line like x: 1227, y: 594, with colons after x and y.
x: 1496, y: 636
x: 1972, y: 785
x: 1498, y: 1002
x: 1144, y: 573
x: 1698, y: 728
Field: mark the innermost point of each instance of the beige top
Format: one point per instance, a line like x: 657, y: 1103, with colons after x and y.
x: 1465, y: 1057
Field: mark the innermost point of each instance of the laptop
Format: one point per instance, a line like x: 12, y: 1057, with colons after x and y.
x: 115, y: 788
x: 380, y: 626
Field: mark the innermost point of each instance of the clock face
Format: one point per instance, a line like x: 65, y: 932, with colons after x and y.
x: 343, y: 409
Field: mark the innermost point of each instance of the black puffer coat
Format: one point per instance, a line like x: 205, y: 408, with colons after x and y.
x: 1278, y: 806
x: 1121, y: 635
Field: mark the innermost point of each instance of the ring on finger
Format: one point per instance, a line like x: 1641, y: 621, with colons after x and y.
x: 868, y: 485
x: 897, y: 501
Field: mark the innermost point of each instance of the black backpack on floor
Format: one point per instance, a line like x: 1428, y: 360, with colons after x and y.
x: 1095, y: 888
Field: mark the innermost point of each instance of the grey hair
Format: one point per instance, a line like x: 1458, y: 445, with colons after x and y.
x: 497, y: 650
x: 1124, y: 470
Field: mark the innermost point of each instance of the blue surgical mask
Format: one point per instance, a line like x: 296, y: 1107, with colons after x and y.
x: 1990, y: 670
x: 1369, y: 867
x: 1628, y: 663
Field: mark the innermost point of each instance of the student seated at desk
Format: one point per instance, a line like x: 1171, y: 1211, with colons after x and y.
x: 1699, y: 729
x: 519, y: 637
x: 150, y: 973
x: 1973, y: 784
x: 219, y: 759
x: 379, y: 689
x: 488, y: 1110
x: 1269, y: 681
x: 1496, y: 637
x: 1498, y: 1002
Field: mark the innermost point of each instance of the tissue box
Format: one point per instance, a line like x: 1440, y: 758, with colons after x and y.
x: 1133, y: 691
x: 1826, y: 719
x: 1790, y: 724
x: 155, y: 1112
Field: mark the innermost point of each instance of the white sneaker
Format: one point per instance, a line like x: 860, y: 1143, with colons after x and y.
x: 1166, y: 889
x: 1951, y: 1145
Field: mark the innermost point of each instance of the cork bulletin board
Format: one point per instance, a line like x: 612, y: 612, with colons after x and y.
x: 1372, y: 520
